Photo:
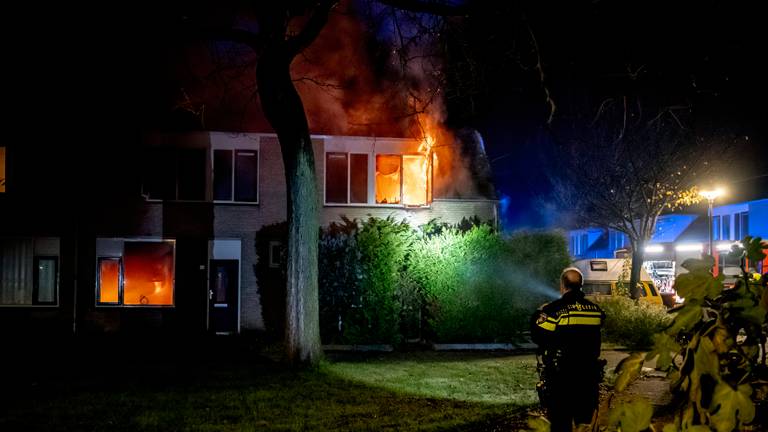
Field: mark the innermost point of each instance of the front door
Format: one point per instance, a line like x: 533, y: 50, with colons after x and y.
x: 223, y: 295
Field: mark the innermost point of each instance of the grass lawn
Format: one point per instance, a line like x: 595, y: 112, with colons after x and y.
x: 398, y: 391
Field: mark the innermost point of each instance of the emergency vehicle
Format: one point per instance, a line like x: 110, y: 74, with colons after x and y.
x: 602, y: 275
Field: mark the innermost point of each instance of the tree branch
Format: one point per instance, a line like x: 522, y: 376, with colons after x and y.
x: 429, y: 7
x: 312, y: 28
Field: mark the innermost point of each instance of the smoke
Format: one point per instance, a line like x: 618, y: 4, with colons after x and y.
x: 378, y: 73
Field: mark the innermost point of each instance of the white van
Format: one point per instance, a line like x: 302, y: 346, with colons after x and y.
x: 601, y: 275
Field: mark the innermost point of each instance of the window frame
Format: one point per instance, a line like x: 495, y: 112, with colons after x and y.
x: 57, y: 289
x: 121, y: 278
x: 349, y: 202
x: 175, y: 150
x: 119, y: 260
x: 233, y: 149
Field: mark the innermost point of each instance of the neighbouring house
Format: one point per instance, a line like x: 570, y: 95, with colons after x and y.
x: 678, y: 237
x: 162, y: 237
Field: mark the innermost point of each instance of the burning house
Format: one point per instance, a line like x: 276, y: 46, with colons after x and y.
x: 165, y: 239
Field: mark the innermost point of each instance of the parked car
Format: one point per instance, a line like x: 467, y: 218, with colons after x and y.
x: 601, y: 277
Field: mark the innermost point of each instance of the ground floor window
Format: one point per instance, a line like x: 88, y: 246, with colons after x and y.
x: 29, y: 271
x: 135, y: 272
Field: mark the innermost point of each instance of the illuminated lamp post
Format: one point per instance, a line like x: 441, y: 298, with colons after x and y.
x: 710, y: 195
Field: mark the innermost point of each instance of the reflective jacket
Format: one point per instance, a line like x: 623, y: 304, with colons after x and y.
x: 567, y: 331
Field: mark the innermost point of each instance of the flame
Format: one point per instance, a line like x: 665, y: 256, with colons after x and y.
x: 418, y: 168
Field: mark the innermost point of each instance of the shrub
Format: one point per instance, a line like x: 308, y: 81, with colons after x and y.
x: 382, y: 281
x: 339, y: 278
x: 632, y: 323
x: 362, y: 295
x: 482, y: 288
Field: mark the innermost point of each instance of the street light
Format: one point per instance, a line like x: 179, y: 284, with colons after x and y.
x: 710, y: 195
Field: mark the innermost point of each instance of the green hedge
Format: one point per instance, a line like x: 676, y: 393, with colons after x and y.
x: 632, y: 323
x: 382, y: 281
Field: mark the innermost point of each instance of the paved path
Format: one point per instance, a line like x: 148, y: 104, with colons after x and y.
x: 651, y: 385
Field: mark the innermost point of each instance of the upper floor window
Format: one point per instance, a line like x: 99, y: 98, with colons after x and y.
x: 741, y: 225
x: 346, y: 178
x: 236, y: 175
x: 134, y: 272
x: 726, y: 222
x: 174, y: 174
x: 716, y: 228
x: 403, y: 179
x: 29, y: 273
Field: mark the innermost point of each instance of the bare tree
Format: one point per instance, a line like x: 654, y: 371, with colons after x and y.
x: 618, y: 171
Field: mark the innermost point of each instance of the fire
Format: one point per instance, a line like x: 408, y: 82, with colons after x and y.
x: 418, y: 168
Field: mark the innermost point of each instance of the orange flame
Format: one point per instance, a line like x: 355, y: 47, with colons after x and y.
x: 418, y: 168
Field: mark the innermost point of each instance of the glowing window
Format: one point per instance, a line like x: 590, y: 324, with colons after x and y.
x: 388, y: 187
x: 109, y: 281
x: 2, y: 169
x: 144, y: 276
x: 415, y: 180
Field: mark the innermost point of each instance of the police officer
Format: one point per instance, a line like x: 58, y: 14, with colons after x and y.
x: 567, y: 332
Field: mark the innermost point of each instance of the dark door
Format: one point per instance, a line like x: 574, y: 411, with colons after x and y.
x: 223, y: 296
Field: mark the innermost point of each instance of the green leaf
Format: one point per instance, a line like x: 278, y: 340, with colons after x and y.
x: 663, y: 347
x: 694, y: 264
x: 754, y: 248
x: 538, y: 424
x: 731, y: 408
x: 755, y: 314
x: 670, y: 427
x: 632, y: 417
x: 687, y: 317
x: 627, y: 370
x: 705, y: 359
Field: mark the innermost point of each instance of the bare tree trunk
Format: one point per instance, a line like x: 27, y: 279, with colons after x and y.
x: 285, y: 112
x: 638, y: 249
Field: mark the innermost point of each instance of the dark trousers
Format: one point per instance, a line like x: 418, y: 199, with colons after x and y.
x: 571, y: 400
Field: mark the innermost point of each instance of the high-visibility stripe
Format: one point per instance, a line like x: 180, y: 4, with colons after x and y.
x: 546, y: 325
x: 584, y: 313
x: 577, y: 320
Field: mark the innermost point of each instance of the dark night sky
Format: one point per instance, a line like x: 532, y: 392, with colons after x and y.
x: 105, y: 72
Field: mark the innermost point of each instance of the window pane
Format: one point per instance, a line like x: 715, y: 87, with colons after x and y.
x: 358, y: 178
x: 246, y: 175
x: 16, y: 261
x: 726, y: 227
x: 597, y: 288
x: 148, y: 273
x: 45, y: 280
x: 222, y: 175
x: 415, y: 172
x: 160, y: 174
x: 336, y: 177
x: 387, y: 179
x: 221, y: 284
x: 744, y: 225
x: 716, y: 228
x: 109, y: 280
x: 191, y: 179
